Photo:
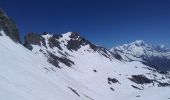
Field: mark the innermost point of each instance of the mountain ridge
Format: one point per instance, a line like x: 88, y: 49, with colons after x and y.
x: 146, y: 53
x: 64, y: 44
x: 67, y: 66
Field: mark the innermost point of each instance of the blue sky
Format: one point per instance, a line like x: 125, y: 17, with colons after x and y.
x: 104, y: 22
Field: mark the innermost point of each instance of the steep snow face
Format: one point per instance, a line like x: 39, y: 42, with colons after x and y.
x: 154, y: 56
x: 96, y: 68
x: 26, y: 76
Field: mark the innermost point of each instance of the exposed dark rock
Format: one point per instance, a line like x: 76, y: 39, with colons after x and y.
x: 73, y: 90
x: 163, y: 72
x: 76, y: 44
x: 103, y: 52
x: 151, y: 69
x: 57, y: 36
x: 112, y: 89
x: 136, y: 87
x: 46, y: 69
x: 161, y: 84
x: 35, y: 39
x: 140, y: 79
x: 54, y: 43
x: 53, y: 69
x: 112, y: 80
x: 66, y: 61
x: 87, y: 96
x: 163, y: 78
x: 136, y: 67
x: 74, y: 35
x: 77, y: 41
x: 9, y: 26
x: 94, y: 70
x: 67, y: 54
x: 45, y: 33
x: 55, y: 60
x: 138, y: 96
x: 64, y: 55
x: 117, y: 56
x: 43, y: 52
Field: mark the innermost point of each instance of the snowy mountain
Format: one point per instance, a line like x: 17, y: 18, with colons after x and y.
x: 88, y: 64
x: 63, y: 48
x: 155, y: 56
x: 69, y: 67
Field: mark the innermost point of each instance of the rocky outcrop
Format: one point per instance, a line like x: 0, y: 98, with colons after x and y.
x: 53, y: 43
x: 77, y: 41
x: 112, y: 80
x: 9, y: 26
x: 59, y: 47
x: 35, y: 39
x: 54, y: 60
x: 140, y: 79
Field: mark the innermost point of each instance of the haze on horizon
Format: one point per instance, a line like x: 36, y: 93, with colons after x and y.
x: 105, y: 22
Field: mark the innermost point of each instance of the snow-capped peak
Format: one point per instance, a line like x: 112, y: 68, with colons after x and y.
x: 139, y: 42
x: 141, y: 51
x: 66, y: 35
x: 162, y: 46
x: 136, y: 48
x: 140, y: 48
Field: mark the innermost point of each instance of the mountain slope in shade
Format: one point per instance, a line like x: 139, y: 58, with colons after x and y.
x: 155, y: 56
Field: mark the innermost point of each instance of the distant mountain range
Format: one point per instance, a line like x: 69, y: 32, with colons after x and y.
x: 69, y: 67
x: 154, y: 56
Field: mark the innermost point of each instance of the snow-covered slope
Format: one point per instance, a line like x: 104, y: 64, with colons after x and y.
x: 154, y: 56
x: 69, y: 67
x: 25, y: 76
x: 61, y: 49
x: 95, y: 67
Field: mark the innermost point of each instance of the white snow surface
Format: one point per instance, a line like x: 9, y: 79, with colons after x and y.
x: 25, y: 75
